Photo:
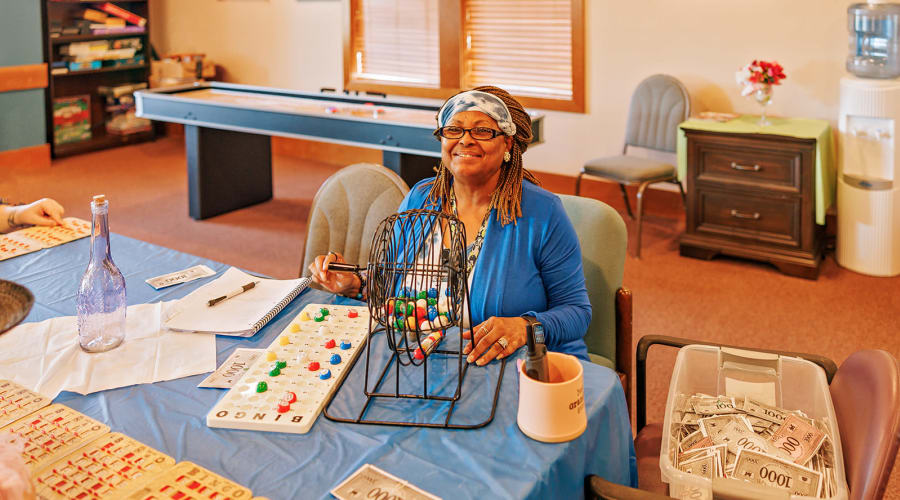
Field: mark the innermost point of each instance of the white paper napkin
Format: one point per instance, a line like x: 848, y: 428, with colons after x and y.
x: 46, y: 358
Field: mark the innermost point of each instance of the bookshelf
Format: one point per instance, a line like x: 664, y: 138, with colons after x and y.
x: 72, y: 93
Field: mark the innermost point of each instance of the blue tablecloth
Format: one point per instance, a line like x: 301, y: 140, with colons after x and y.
x: 496, y: 461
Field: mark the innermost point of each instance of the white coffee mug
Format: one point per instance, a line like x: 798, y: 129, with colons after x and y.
x: 553, y: 411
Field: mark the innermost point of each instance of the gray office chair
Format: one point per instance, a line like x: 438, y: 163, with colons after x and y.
x: 658, y: 105
x: 347, y: 209
x: 604, y: 241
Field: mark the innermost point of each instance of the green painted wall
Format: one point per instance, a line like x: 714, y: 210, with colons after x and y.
x: 21, y: 112
x: 22, y: 119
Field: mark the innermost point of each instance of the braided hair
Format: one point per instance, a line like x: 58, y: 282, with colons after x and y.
x: 507, y: 196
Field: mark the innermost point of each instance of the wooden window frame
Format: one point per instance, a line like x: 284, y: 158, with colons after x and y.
x: 450, y: 39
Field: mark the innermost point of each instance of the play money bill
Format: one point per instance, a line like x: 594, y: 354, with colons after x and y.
x: 714, y: 406
x: 190, y: 274
x: 371, y: 482
x: 229, y: 372
x: 760, y: 468
x: 798, y: 439
x: 703, y: 467
x: 765, y: 412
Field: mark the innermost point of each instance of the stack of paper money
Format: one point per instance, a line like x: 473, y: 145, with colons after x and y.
x: 745, y: 439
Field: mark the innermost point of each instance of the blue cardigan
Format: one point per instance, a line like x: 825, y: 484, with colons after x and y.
x: 531, y: 268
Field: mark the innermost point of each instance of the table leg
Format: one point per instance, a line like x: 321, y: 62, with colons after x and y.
x: 412, y: 168
x: 226, y: 170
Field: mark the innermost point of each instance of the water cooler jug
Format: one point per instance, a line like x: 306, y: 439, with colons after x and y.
x: 868, y: 184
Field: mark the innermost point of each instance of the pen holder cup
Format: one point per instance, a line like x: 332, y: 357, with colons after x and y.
x: 553, y: 412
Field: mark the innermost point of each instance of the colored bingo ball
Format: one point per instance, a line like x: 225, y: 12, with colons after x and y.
x: 422, y: 295
x: 432, y: 293
x: 432, y: 313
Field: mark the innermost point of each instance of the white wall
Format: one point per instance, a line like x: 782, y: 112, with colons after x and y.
x: 297, y: 44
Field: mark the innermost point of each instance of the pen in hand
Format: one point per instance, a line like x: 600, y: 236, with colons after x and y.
x: 232, y: 293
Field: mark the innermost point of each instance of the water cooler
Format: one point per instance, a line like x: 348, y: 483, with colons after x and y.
x: 868, y: 184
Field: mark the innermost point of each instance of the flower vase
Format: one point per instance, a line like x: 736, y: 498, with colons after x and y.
x: 763, y: 96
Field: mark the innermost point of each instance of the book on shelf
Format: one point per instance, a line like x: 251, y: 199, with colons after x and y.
x: 118, y: 30
x: 117, y: 11
x: 85, y: 65
x: 94, y: 15
x: 121, y: 118
x: 120, y: 90
x: 242, y: 315
x: 97, y: 54
x: 59, y: 67
x: 71, y: 119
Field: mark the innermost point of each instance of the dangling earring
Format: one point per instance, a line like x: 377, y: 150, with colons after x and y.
x: 506, y: 157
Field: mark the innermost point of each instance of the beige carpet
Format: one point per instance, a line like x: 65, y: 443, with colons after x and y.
x: 724, y: 300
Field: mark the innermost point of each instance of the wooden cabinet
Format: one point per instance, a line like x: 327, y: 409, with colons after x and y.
x: 752, y: 196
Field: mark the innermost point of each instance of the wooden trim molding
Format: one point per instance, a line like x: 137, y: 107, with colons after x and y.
x: 25, y: 77
x: 31, y: 156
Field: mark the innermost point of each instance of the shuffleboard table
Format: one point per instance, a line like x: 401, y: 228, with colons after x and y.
x: 227, y: 130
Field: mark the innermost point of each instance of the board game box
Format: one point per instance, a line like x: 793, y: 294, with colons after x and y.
x: 71, y: 119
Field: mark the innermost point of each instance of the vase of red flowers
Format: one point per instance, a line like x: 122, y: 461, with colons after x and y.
x: 756, y: 80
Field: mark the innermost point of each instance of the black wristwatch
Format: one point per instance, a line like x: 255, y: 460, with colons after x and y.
x: 536, y: 327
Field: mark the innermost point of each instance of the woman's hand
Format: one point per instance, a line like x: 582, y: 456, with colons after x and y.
x: 334, y: 282
x: 43, y: 212
x: 490, y: 337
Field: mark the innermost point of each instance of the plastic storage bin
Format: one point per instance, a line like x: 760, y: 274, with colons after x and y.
x: 797, y: 385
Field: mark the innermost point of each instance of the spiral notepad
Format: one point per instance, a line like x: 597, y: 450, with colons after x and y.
x: 242, y: 315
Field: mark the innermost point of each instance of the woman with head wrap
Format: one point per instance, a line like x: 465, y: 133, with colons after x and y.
x: 524, y: 258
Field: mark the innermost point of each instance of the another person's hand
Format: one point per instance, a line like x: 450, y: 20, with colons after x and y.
x: 490, y: 337
x: 334, y: 282
x: 43, y: 212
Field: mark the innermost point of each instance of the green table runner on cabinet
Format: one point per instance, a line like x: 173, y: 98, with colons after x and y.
x: 802, y: 128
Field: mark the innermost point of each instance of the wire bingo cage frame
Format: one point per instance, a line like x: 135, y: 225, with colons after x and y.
x: 418, y: 293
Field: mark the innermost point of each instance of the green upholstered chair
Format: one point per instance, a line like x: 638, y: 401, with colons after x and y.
x: 658, y: 105
x: 347, y: 210
x: 604, y: 241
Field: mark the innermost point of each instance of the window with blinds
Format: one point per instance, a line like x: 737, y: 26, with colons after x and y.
x: 434, y: 48
x: 523, y: 46
x: 396, y: 42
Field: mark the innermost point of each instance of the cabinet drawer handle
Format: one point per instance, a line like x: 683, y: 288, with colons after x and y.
x: 754, y: 168
x: 744, y: 215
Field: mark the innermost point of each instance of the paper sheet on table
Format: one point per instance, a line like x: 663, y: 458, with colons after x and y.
x: 45, y: 356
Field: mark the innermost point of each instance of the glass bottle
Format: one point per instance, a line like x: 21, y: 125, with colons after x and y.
x: 100, y: 300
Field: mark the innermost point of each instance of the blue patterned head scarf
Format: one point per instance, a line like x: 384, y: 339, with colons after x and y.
x: 475, y: 100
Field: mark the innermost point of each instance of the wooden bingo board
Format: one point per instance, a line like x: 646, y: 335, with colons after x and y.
x: 17, y: 401
x: 189, y: 481
x: 285, y: 389
x: 53, y: 432
x: 107, y: 467
x: 35, y: 238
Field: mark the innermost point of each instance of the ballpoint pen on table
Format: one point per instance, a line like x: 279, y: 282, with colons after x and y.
x: 232, y: 293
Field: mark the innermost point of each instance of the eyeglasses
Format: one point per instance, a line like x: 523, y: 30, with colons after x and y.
x: 477, y: 133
